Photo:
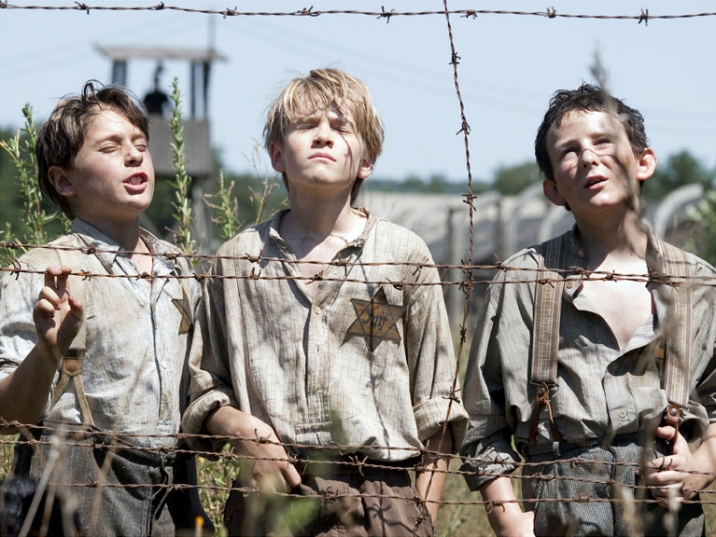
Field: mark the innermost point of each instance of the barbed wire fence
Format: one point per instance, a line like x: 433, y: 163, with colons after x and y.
x: 467, y: 284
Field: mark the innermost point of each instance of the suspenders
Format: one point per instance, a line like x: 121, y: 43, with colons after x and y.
x: 546, y: 322
x: 74, y: 357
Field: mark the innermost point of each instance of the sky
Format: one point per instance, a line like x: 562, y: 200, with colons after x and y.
x: 509, y: 66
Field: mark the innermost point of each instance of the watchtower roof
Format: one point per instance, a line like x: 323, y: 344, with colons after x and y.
x: 121, y: 53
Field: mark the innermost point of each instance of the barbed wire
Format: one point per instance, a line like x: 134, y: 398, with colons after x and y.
x: 17, y: 268
x: 334, y: 454
x: 385, y: 14
x: 331, y: 460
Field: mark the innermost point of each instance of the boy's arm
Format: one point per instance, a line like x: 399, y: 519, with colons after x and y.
x: 58, y: 317
x: 264, y: 462
x: 504, y: 513
x: 429, y: 482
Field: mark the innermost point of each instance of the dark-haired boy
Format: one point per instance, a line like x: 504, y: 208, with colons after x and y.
x: 578, y: 371
x: 99, y: 357
x: 325, y: 334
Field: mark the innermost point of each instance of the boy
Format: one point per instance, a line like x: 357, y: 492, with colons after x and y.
x: 322, y: 332
x: 583, y: 368
x: 100, y: 358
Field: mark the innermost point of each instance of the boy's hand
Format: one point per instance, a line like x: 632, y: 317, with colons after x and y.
x: 265, y: 463
x: 266, y: 467
x: 57, y: 314
x: 677, y: 473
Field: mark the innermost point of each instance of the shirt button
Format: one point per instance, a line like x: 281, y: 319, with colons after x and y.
x: 570, y: 285
x: 581, y: 254
x: 317, y: 310
x: 622, y: 413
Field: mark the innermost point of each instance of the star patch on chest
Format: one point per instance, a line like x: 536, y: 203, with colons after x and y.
x: 376, y: 320
x: 184, y: 307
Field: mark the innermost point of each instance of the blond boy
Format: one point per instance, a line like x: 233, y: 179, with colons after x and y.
x: 321, y: 336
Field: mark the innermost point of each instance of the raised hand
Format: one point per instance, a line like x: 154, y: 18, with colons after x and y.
x: 57, y: 314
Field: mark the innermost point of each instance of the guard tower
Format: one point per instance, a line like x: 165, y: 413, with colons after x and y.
x: 197, y: 142
x: 196, y: 122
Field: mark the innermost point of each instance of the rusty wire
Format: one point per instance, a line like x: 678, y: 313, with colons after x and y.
x: 467, y: 268
x: 385, y: 14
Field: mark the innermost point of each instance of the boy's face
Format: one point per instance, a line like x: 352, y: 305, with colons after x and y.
x: 112, y: 176
x: 322, y: 150
x: 594, y: 163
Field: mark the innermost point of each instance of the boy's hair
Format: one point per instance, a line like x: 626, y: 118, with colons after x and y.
x: 322, y: 90
x: 587, y: 98
x: 61, y: 137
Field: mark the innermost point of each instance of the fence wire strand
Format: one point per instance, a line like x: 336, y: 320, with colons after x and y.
x: 334, y: 454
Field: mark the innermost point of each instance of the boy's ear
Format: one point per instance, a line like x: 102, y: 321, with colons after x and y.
x: 646, y: 164
x: 61, y: 181
x: 366, y: 167
x: 551, y: 192
x: 276, y: 154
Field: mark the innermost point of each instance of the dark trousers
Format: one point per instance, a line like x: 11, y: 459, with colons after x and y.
x: 589, y: 494
x: 115, y: 489
x: 365, y: 502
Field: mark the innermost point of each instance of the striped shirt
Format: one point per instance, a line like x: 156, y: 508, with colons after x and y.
x: 137, y: 335
x: 367, y: 363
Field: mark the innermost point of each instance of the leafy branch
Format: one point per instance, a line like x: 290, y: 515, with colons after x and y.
x: 182, y: 181
x: 21, y: 150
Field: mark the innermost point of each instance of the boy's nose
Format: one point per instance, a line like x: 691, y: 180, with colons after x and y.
x: 324, y: 134
x: 134, y: 156
x: 588, y: 156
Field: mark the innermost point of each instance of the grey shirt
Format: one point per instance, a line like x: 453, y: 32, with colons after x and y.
x: 137, y: 335
x: 308, y: 367
x: 601, y: 390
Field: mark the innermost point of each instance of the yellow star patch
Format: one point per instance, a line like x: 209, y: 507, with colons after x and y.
x: 184, y: 307
x: 376, y: 320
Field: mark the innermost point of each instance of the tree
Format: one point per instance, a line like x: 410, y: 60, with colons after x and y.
x: 511, y: 180
x: 680, y: 169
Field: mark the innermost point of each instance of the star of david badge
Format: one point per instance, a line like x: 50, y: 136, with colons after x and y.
x: 184, y: 307
x: 376, y: 320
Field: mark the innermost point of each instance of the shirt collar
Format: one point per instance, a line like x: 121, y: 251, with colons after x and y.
x: 357, y: 243
x: 106, y: 249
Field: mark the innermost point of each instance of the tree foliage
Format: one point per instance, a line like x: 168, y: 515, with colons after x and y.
x: 511, y: 180
x: 680, y: 169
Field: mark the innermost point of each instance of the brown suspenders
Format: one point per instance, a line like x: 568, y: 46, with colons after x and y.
x: 546, y: 321
x: 545, y: 330
x: 74, y: 357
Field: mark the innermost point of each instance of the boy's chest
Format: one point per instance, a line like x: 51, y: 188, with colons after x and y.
x: 623, y: 304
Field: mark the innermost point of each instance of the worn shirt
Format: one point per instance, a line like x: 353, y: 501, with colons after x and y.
x: 368, y: 363
x: 601, y: 390
x: 137, y: 334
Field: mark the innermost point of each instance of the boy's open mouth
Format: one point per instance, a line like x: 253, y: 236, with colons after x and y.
x: 137, y: 179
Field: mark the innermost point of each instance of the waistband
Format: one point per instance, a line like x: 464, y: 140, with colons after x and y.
x: 351, y: 464
x: 557, y: 450
x: 119, y: 446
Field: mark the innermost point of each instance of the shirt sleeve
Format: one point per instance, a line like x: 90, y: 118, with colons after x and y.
x: 431, y: 358
x: 210, y: 384
x: 18, y: 295
x: 487, y: 451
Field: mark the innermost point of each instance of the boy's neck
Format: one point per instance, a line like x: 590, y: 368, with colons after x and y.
x: 614, y: 237
x: 124, y: 234
x: 319, y: 218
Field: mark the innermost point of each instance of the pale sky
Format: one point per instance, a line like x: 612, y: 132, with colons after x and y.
x: 509, y: 67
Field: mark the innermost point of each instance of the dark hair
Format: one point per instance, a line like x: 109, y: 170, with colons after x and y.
x: 583, y: 99
x: 61, y: 137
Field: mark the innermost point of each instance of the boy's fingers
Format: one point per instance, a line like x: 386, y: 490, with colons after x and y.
x: 292, y: 476
x: 76, y: 308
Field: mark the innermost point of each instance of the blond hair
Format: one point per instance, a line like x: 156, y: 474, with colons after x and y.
x: 326, y: 89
